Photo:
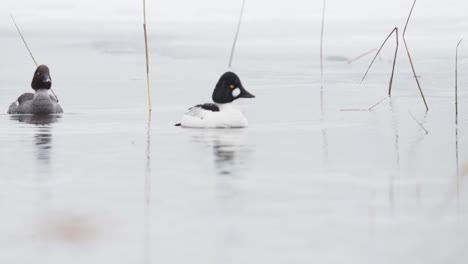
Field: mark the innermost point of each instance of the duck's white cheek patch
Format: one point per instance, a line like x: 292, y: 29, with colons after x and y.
x: 236, y: 92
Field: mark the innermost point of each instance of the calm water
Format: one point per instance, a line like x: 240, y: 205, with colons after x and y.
x: 306, y: 182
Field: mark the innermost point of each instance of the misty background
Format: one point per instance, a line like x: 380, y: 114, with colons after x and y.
x: 186, y: 10
x: 181, y: 31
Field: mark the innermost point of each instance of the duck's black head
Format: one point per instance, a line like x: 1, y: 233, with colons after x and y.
x: 41, y: 79
x: 229, y: 88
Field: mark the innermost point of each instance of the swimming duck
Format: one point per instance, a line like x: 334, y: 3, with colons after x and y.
x: 221, y: 113
x: 40, y: 102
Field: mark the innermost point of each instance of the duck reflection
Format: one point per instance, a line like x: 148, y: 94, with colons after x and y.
x: 231, y: 156
x: 229, y: 148
x: 43, y: 139
x: 44, y: 120
x: 42, y: 132
x: 225, y: 157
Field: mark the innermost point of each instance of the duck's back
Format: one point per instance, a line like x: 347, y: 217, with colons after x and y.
x: 39, y: 103
x: 214, y: 116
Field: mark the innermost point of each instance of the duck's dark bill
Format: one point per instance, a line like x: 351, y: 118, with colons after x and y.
x: 246, y: 94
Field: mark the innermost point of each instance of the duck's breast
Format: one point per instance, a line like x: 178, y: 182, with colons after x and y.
x: 41, y: 103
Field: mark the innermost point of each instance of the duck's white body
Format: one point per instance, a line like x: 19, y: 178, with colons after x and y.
x: 221, y: 113
x: 228, y: 116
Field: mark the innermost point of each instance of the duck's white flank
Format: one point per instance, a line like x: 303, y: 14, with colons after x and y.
x: 227, y: 117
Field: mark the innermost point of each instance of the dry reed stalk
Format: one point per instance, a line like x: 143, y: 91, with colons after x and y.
x: 395, y: 30
x: 147, y: 57
x: 376, y: 104
x: 409, y: 56
x: 361, y: 56
x: 24, y: 41
x: 456, y: 120
x: 237, y: 34
x: 321, y: 39
x: 456, y: 117
x: 456, y: 82
x: 29, y: 50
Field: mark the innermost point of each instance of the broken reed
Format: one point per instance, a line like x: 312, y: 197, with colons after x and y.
x: 395, y: 30
x: 147, y: 57
x: 29, y: 50
x: 409, y: 56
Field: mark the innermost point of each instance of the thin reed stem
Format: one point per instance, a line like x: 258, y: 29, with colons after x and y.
x: 456, y: 82
x: 376, y: 104
x: 24, y: 41
x: 395, y: 30
x: 147, y: 57
x: 321, y: 38
x: 361, y: 56
x: 394, y: 64
x: 367, y: 109
x: 409, y: 57
x: 29, y: 50
x: 237, y: 34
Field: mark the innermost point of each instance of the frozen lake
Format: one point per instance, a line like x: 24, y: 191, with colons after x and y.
x: 306, y: 183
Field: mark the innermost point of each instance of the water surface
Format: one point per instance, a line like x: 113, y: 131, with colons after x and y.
x: 306, y: 182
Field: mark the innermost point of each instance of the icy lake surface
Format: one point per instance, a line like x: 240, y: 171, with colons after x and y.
x: 308, y: 182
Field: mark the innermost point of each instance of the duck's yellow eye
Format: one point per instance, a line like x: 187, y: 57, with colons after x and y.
x: 232, y: 86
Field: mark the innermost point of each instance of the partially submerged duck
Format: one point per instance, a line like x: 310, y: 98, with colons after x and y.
x: 39, y: 102
x: 221, y: 113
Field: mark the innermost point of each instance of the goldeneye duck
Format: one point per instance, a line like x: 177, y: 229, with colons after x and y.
x: 39, y: 102
x: 221, y: 113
